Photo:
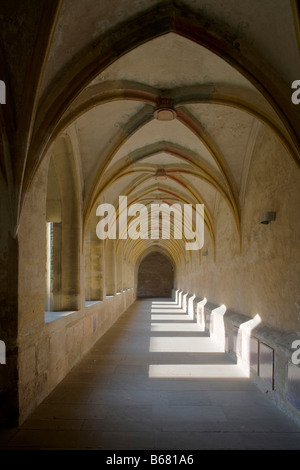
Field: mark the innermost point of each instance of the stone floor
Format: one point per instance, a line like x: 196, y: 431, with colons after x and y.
x: 155, y: 382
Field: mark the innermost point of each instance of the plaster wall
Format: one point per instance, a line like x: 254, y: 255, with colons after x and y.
x: 260, y: 276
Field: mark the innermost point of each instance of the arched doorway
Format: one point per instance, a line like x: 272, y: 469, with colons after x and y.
x: 155, y: 276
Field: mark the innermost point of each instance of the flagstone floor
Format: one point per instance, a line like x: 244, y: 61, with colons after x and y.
x: 154, y: 381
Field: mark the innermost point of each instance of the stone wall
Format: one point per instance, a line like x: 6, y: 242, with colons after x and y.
x: 259, y: 272
x: 48, y: 354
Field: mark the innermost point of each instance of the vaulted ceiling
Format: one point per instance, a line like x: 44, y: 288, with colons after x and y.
x: 140, y: 86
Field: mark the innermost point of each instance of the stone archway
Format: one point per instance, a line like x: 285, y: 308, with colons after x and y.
x: 155, y: 276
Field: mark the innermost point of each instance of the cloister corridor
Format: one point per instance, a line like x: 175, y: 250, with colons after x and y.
x: 149, y: 225
x: 156, y: 381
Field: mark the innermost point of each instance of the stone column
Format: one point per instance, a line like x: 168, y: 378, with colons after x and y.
x: 120, y: 262
x: 95, y: 268
x: 110, y: 267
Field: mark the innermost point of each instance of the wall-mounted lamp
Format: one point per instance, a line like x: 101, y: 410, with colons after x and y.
x: 267, y: 217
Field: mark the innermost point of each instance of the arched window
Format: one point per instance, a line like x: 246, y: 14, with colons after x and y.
x: 63, y: 232
x: 53, y: 234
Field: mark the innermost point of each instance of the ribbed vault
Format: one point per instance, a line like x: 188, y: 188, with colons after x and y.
x: 199, y: 156
x: 163, y: 107
x: 203, y: 64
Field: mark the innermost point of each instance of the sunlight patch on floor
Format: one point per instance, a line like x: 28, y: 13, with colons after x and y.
x: 196, y: 371
x: 167, y: 310
x: 162, y: 304
x: 165, y: 319
x: 169, y: 316
x: 184, y: 344
x: 175, y: 327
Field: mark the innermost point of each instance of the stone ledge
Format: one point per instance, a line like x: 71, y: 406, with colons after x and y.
x: 264, y: 351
